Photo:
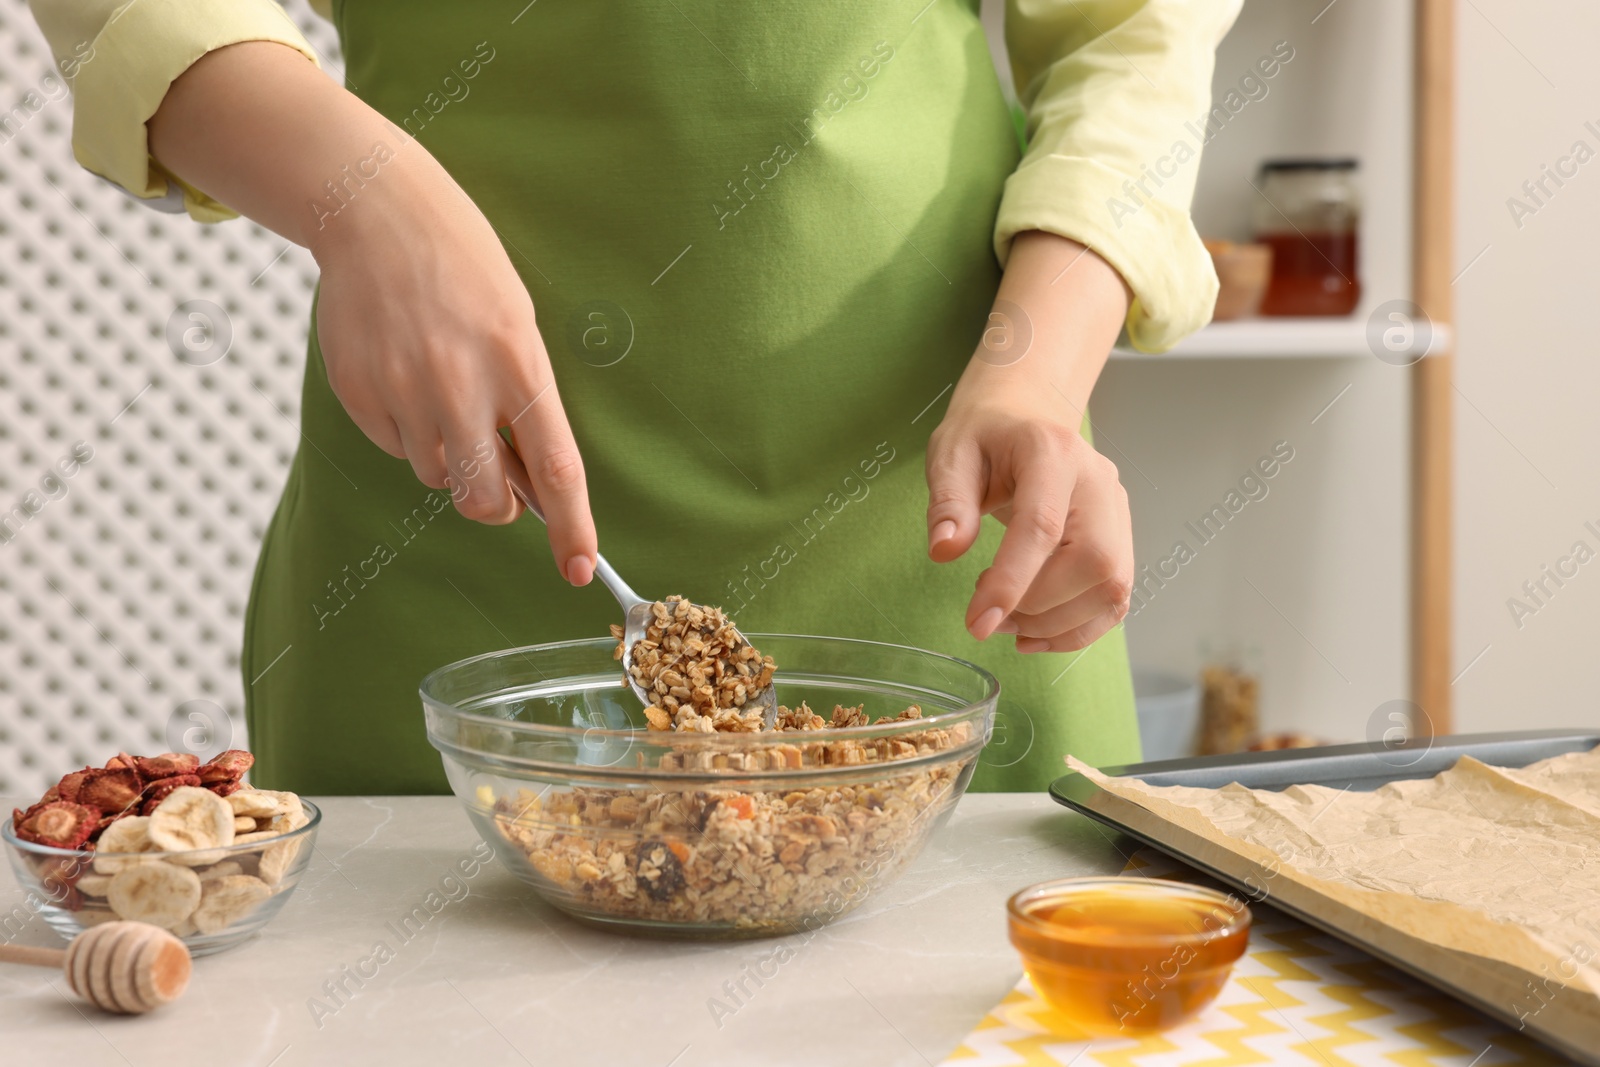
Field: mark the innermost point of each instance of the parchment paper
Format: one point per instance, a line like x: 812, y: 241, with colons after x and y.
x: 1499, y: 863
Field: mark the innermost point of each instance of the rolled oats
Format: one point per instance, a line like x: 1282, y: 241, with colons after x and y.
x: 702, y: 674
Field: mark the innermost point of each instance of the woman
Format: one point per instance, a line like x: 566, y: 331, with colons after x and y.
x: 719, y: 268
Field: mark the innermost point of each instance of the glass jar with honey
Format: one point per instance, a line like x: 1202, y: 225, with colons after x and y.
x: 1127, y: 956
x: 1309, y: 212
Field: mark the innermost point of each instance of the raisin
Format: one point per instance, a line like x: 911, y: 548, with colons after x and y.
x: 658, y: 870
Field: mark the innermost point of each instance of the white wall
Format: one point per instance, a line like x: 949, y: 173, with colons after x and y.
x: 1527, y: 433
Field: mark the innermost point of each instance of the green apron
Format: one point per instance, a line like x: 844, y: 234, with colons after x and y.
x: 706, y: 199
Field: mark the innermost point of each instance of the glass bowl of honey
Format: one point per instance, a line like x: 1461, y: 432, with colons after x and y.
x: 1127, y: 956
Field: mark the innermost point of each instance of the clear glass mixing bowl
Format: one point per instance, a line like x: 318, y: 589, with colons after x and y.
x: 707, y: 835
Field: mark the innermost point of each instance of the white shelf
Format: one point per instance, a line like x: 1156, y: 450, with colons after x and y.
x: 1310, y: 338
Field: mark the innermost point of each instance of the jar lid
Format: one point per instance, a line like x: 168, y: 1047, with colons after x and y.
x: 1342, y: 163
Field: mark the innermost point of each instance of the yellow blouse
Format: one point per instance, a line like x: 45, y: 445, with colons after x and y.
x: 1107, y: 86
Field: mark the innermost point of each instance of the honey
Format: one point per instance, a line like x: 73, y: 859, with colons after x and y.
x: 1127, y: 956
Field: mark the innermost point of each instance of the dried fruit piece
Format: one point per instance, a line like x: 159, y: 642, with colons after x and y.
x: 276, y: 859
x: 190, y: 819
x: 70, y: 784
x: 107, y: 820
x: 112, y: 790
x: 122, y: 843
x: 220, y: 870
x: 257, y: 803
x: 658, y: 871
x: 224, y: 788
x: 58, y: 824
x: 162, y: 788
x: 94, y: 885
x: 166, y: 765
x: 157, y: 893
x: 230, y: 766
x: 224, y: 901
x: 243, y: 824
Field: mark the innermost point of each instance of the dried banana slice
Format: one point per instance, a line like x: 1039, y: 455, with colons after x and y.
x: 276, y: 860
x: 221, y: 870
x: 127, y: 835
x: 157, y: 893
x: 93, y: 885
x: 227, y: 900
x: 190, y: 819
x: 255, y: 803
x: 243, y: 824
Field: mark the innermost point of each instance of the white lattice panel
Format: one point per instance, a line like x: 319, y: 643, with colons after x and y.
x: 122, y: 598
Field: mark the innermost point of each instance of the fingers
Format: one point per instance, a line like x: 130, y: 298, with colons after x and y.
x: 421, y: 446
x: 1036, y: 528
x: 380, y: 430
x: 546, y: 446
x: 955, y: 498
x: 1078, y: 638
x: 478, y: 478
x: 1097, y: 546
x: 1081, y: 610
x: 1082, y: 590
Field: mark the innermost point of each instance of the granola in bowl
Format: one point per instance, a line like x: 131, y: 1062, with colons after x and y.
x: 758, y: 860
x: 685, y: 827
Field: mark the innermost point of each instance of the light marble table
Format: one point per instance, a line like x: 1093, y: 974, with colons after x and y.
x: 496, y: 977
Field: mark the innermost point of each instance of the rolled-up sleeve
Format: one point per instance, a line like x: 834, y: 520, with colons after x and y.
x: 1112, y: 89
x: 120, y: 57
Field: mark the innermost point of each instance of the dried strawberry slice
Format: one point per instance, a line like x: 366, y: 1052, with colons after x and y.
x: 230, y: 766
x: 121, y: 759
x: 107, y: 820
x: 157, y: 791
x: 59, y: 824
x: 223, y: 789
x: 58, y: 875
x: 70, y: 784
x: 112, y: 791
x: 166, y: 765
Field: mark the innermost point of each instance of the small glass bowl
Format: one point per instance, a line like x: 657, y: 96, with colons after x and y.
x: 51, y: 879
x: 707, y: 835
x: 1127, y: 956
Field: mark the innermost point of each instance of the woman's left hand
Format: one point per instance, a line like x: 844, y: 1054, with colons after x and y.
x: 1009, y: 446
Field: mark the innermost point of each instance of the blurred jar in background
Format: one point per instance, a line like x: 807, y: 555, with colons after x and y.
x: 1309, y: 212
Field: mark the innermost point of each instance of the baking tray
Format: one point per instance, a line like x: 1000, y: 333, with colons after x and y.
x: 1571, y: 1024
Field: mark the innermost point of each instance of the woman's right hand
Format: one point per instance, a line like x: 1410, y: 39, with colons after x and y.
x: 426, y: 330
x: 430, y: 342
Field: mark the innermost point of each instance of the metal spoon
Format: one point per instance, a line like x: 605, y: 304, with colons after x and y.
x: 635, y: 608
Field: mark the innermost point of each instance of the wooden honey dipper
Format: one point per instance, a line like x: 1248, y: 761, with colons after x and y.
x: 124, y: 967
